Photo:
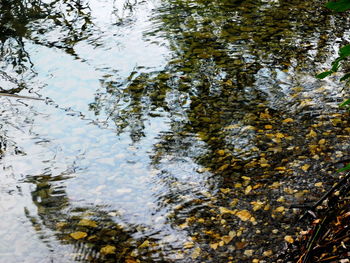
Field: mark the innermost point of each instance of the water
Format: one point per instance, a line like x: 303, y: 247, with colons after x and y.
x: 170, y: 131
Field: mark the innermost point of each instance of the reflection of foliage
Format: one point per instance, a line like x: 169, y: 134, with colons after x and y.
x: 94, y: 232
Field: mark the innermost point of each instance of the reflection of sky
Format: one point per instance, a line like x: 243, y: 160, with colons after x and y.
x: 108, y: 169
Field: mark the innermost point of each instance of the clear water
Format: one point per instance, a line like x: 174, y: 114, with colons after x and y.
x: 183, y: 129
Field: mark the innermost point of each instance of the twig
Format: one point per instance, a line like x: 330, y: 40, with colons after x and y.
x: 19, y: 96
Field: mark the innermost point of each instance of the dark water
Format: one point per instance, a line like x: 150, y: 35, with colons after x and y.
x: 170, y: 131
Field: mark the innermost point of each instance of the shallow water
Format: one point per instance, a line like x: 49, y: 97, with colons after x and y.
x: 170, y: 131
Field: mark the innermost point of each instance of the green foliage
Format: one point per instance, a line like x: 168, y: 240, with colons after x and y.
x: 324, y: 74
x: 339, y: 6
x: 344, y: 169
x: 345, y: 103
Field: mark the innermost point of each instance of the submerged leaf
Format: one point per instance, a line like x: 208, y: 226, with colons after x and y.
x: 289, y: 239
x: 244, y: 215
x: 78, y: 235
x: 108, y: 250
x: 87, y: 222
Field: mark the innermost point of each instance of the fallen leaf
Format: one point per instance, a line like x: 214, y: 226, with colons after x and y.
x: 224, y: 210
x: 312, y: 133
x: 221, y: 152
x: 257, y: 205
x: 248, y: 189
x: 225, y: 190
x: 196, y: 253
x: 279, y: 135
x: 108, y: 250
x: 319, y: 184
x: 322, y: 141
x: 144, y: 244
x: 87, y: 222
x: 244, y: 215
x: 78, y: 235
x: 226, y: 239
x: 268, y: 253
x: 288, y: 120
x: 289, y: 239
x: 248, y: 252
x: 279, y: 209
x: 240, y: 245
x: 305, y: 167
x: 214, y: 245
x: 188, y: 245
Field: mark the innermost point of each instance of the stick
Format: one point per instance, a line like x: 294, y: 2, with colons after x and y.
x: 19, y: 96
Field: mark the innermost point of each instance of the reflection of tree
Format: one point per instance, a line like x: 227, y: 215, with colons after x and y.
x: 210, y: 93
x: 103, y: 228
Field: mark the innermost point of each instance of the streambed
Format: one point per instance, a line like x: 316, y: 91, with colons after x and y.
x: 170, y: 131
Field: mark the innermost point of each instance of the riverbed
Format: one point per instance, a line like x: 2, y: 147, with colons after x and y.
x: 168, y: 131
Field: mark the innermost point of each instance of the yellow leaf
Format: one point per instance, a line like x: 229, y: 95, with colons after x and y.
x: 225, y: 190
x: 196, y: 253
x: 231, y: 127
x: 279, y: 209
x: 223, y: 167
x: 279, y: 135
x: 78, y: 235
x: 221, y: 152
x: 289, y: 239
x: 234, y: 202
x: 312, y: 133
x: 214, y: 245
x: 144, y: 244
x: 188, y: 245
x: 249, y: 252
x: 224, y: 210
x: 268, y: 127
x: 280, y: 168
x: 319, y: 184
x: 305, y: 167
x: 226, y: 239
x: 281, y: 199
x: 265, y: 115
x: 257, y: 205
x: 87, y: 222
x: 267, y: 253
x: 275, y: 185
x: 248, y: 189
x: 288, y: 120
x: 244, y: 215
x: 322, y: 141
x: 184, y: 225
x: 60, y: 225
x: 108, y: 250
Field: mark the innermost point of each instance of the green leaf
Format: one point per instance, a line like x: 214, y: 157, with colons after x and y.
x: 324, y: 74
x: 335, y: 64
x: 347, y: 102
x: 346, y: 168
x: 339, y: 6
x: 345, y: 77
x: 345, y: 50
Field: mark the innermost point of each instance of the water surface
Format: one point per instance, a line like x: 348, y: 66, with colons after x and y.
x: 170, y: 131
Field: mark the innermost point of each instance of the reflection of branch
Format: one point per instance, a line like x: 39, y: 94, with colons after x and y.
x: 19, y: 96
